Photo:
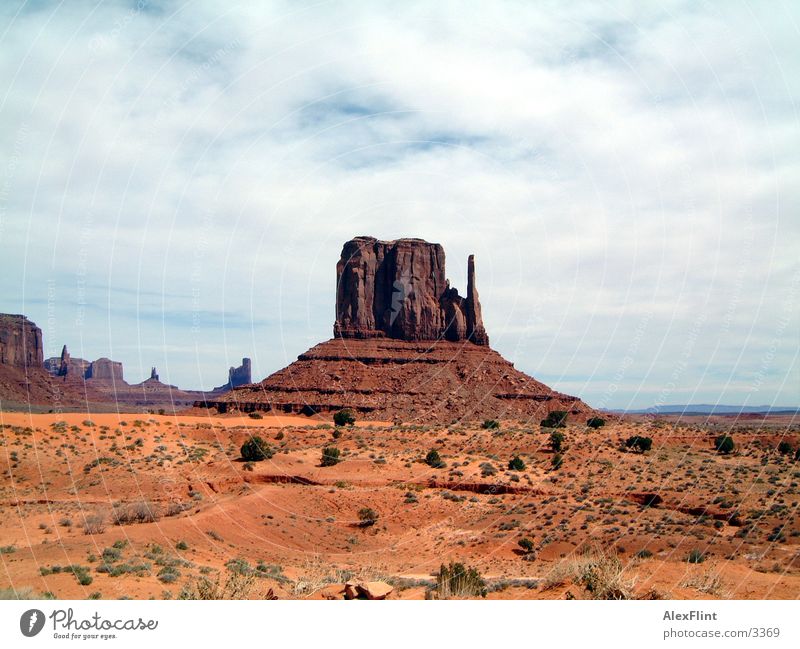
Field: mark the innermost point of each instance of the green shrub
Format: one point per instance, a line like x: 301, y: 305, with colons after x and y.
x: 596, y: 422
x: 696, y: 556
x: 345, y: 417
x: 724, y: 444
x: 516, y: 464
x: 457, y: 581
x: 639, y: 443
x: 526, y: 545
x: 181, y: 545
x: 556, y: 441
x: 168, y: 574
x: 330, y: 456
x: 337, y: 433
x: 255, y: 415
x: 367, y: 516
x: 785, y: 448
x: 490, y: 424
x: 555, y: 419
x: 644, y: 553
x: 433, y: 459
x: 557, y: 461
x: 256, y: 449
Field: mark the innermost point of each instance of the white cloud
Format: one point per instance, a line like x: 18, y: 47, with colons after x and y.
x: 609, y: 164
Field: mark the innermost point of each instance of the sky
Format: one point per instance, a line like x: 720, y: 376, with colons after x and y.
x: 177, y: 180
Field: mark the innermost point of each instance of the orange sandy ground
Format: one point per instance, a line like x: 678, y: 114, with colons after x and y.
x: 299, y: 520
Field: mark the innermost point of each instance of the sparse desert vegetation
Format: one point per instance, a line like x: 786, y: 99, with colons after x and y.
x: 167, y: 508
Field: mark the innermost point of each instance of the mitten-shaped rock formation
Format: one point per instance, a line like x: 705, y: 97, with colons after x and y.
x: 406, y: 346
x: 398, y: 289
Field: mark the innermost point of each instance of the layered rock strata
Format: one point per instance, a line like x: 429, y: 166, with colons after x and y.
x: 20, y: 342
x: 385, y: 379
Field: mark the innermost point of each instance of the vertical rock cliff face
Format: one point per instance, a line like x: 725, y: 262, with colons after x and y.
x: 63, y: 365
x: 398, y: 289
x: 475, y: 331
x: 104, y: 369
x: 20, y: 342
x: 240, y: 375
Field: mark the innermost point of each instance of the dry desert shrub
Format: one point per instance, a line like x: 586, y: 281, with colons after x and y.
x: 236, y: 586
x: 94, y: 523
x: 139, y: 512
x: 19, y: 593
x: 600, y: 572
x: 316, y: 575
x: 175, y: 508
x: 709, y: 581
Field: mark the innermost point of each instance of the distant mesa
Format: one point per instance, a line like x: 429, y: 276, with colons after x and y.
x: 64, y: 381
x: 237, y: 376
x: 65, y: 365
x: 106, y: 379
x: 23, y: 378
x: 103, y: 369
x: 406, y: 346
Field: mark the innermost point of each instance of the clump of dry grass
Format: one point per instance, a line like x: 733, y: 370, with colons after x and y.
x: 235, y: 586
x: 94, y: 523
x: 709, y: 581
x: 598, y: 571
x: 22, y: 593
x: 317, y: 574
x: 175, y: 508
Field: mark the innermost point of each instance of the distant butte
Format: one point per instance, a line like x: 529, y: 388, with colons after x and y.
x: 406, y: 346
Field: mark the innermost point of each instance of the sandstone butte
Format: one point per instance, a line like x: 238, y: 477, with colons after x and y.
x: 27, y: 381
x: 23, y: 379
x: 406, y: 346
